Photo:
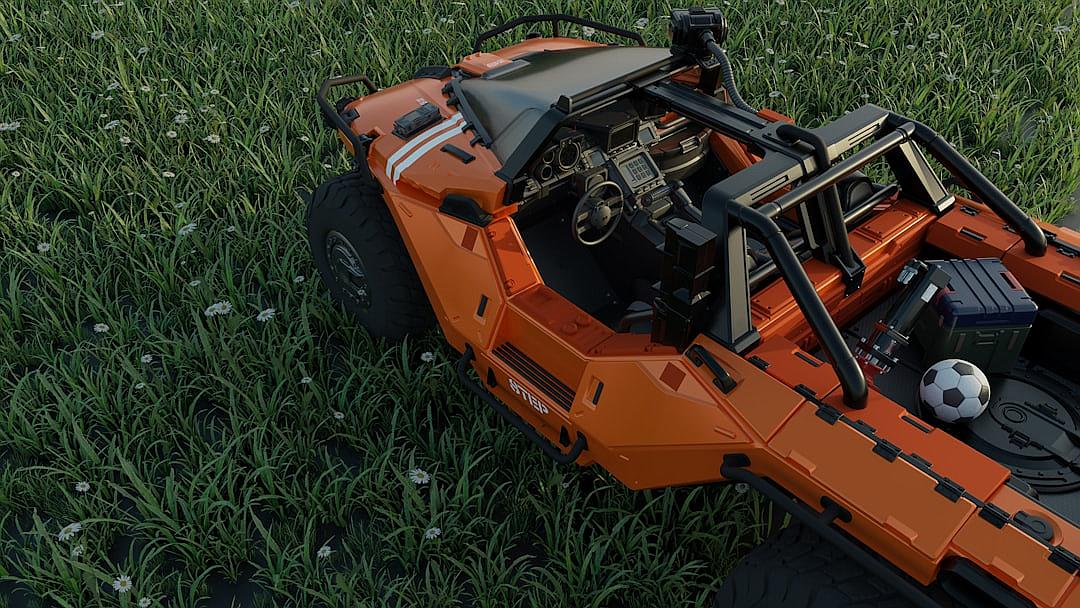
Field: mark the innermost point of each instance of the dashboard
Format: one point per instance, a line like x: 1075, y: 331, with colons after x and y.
x: 644, y: 157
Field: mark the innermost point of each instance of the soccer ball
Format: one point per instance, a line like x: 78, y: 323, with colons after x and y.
x: 954, y: 391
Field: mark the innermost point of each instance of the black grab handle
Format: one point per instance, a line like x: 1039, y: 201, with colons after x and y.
x: 359, y: 143
x: 515, y: 421
x: 555, y: 19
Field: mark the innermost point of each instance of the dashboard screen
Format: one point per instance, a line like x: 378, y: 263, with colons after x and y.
x: 637, y: 170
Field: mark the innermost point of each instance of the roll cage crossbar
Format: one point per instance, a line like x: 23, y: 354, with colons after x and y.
x: 808, y: 163
x: 555, y: 20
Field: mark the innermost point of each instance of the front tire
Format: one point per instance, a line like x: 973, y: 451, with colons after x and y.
x: 362, y: 259
x: 796, y: 568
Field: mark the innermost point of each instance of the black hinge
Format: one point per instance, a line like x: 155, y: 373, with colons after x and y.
x: 1065, y: 559
x: 885, y: 449
x: 825, y: 411
x: 949, y: 489
x: 994, y: 514
x: 758, y: 362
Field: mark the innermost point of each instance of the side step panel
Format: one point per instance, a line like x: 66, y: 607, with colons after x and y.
x: 552, y: 387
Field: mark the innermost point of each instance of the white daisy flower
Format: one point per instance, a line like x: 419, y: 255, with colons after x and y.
x: 69, y: 531
x: 112, y: 124
x: 266, y: 315
x: 147, y: 358
x: 144, y: 602
x: 97, y: 35
x: 231, y: 229
x: 181, y: 118
x: 113, y: 86
x: 298, y: 278
x: 213, y: 138
x: 339, y: 415
x: 43, y: 247
x: 264, y: 129
x: 432, y: 533
x: 170, y: 134
x: 78, y: 550
x: 427, y: 357
x: 742, y: 488
x: 186, y: 229
x: 324, y: 552
x: 588, y: 32
x: 145, y: 88
x: 15, y: 174
x: 122, y: 584
x: 774, y: 93
x: 100, y: 328
x: 221, y: 308
x: 143, y: 50
x: 419, y: 476
x: 125, y: 140
x: 140, y: 386
x: 305, y: 380
x: 305, y: 138
x: 82, y: 487
x: 933, y: 36
x: 194, y: 283
x: 179, y: 205
x: 642, y: 23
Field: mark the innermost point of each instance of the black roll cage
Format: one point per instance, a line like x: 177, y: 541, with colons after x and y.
x: 806, y: 161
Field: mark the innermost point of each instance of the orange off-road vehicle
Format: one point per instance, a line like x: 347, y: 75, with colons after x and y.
x: 648, y: 274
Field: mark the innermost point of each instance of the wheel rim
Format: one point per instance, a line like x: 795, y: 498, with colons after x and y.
x: 348, y: 269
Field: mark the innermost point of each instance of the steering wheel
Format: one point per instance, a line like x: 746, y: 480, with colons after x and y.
x: 597, y: 213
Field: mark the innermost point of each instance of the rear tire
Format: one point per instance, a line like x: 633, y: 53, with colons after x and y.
x: 796, y: 568
x: 362, y: 259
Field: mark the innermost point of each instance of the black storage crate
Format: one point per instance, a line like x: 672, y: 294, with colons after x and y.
x: 983, y: 316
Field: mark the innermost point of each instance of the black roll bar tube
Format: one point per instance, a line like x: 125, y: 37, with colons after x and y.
x: 962, y: 169
x: 555, y: 19
x: 851, y: 377
x: 330, y: 113
x: 833, y: 214
x: 839, y: 171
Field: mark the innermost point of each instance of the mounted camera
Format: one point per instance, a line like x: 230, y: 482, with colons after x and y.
x: 693, y: 28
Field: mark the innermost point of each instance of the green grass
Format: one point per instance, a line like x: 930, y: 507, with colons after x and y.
x: 216, y: 471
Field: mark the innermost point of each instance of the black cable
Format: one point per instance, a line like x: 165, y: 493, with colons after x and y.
x: 726, y: 72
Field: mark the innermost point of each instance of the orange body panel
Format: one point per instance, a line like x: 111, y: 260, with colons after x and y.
x: 977, y: 233
x: 654, y: 419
